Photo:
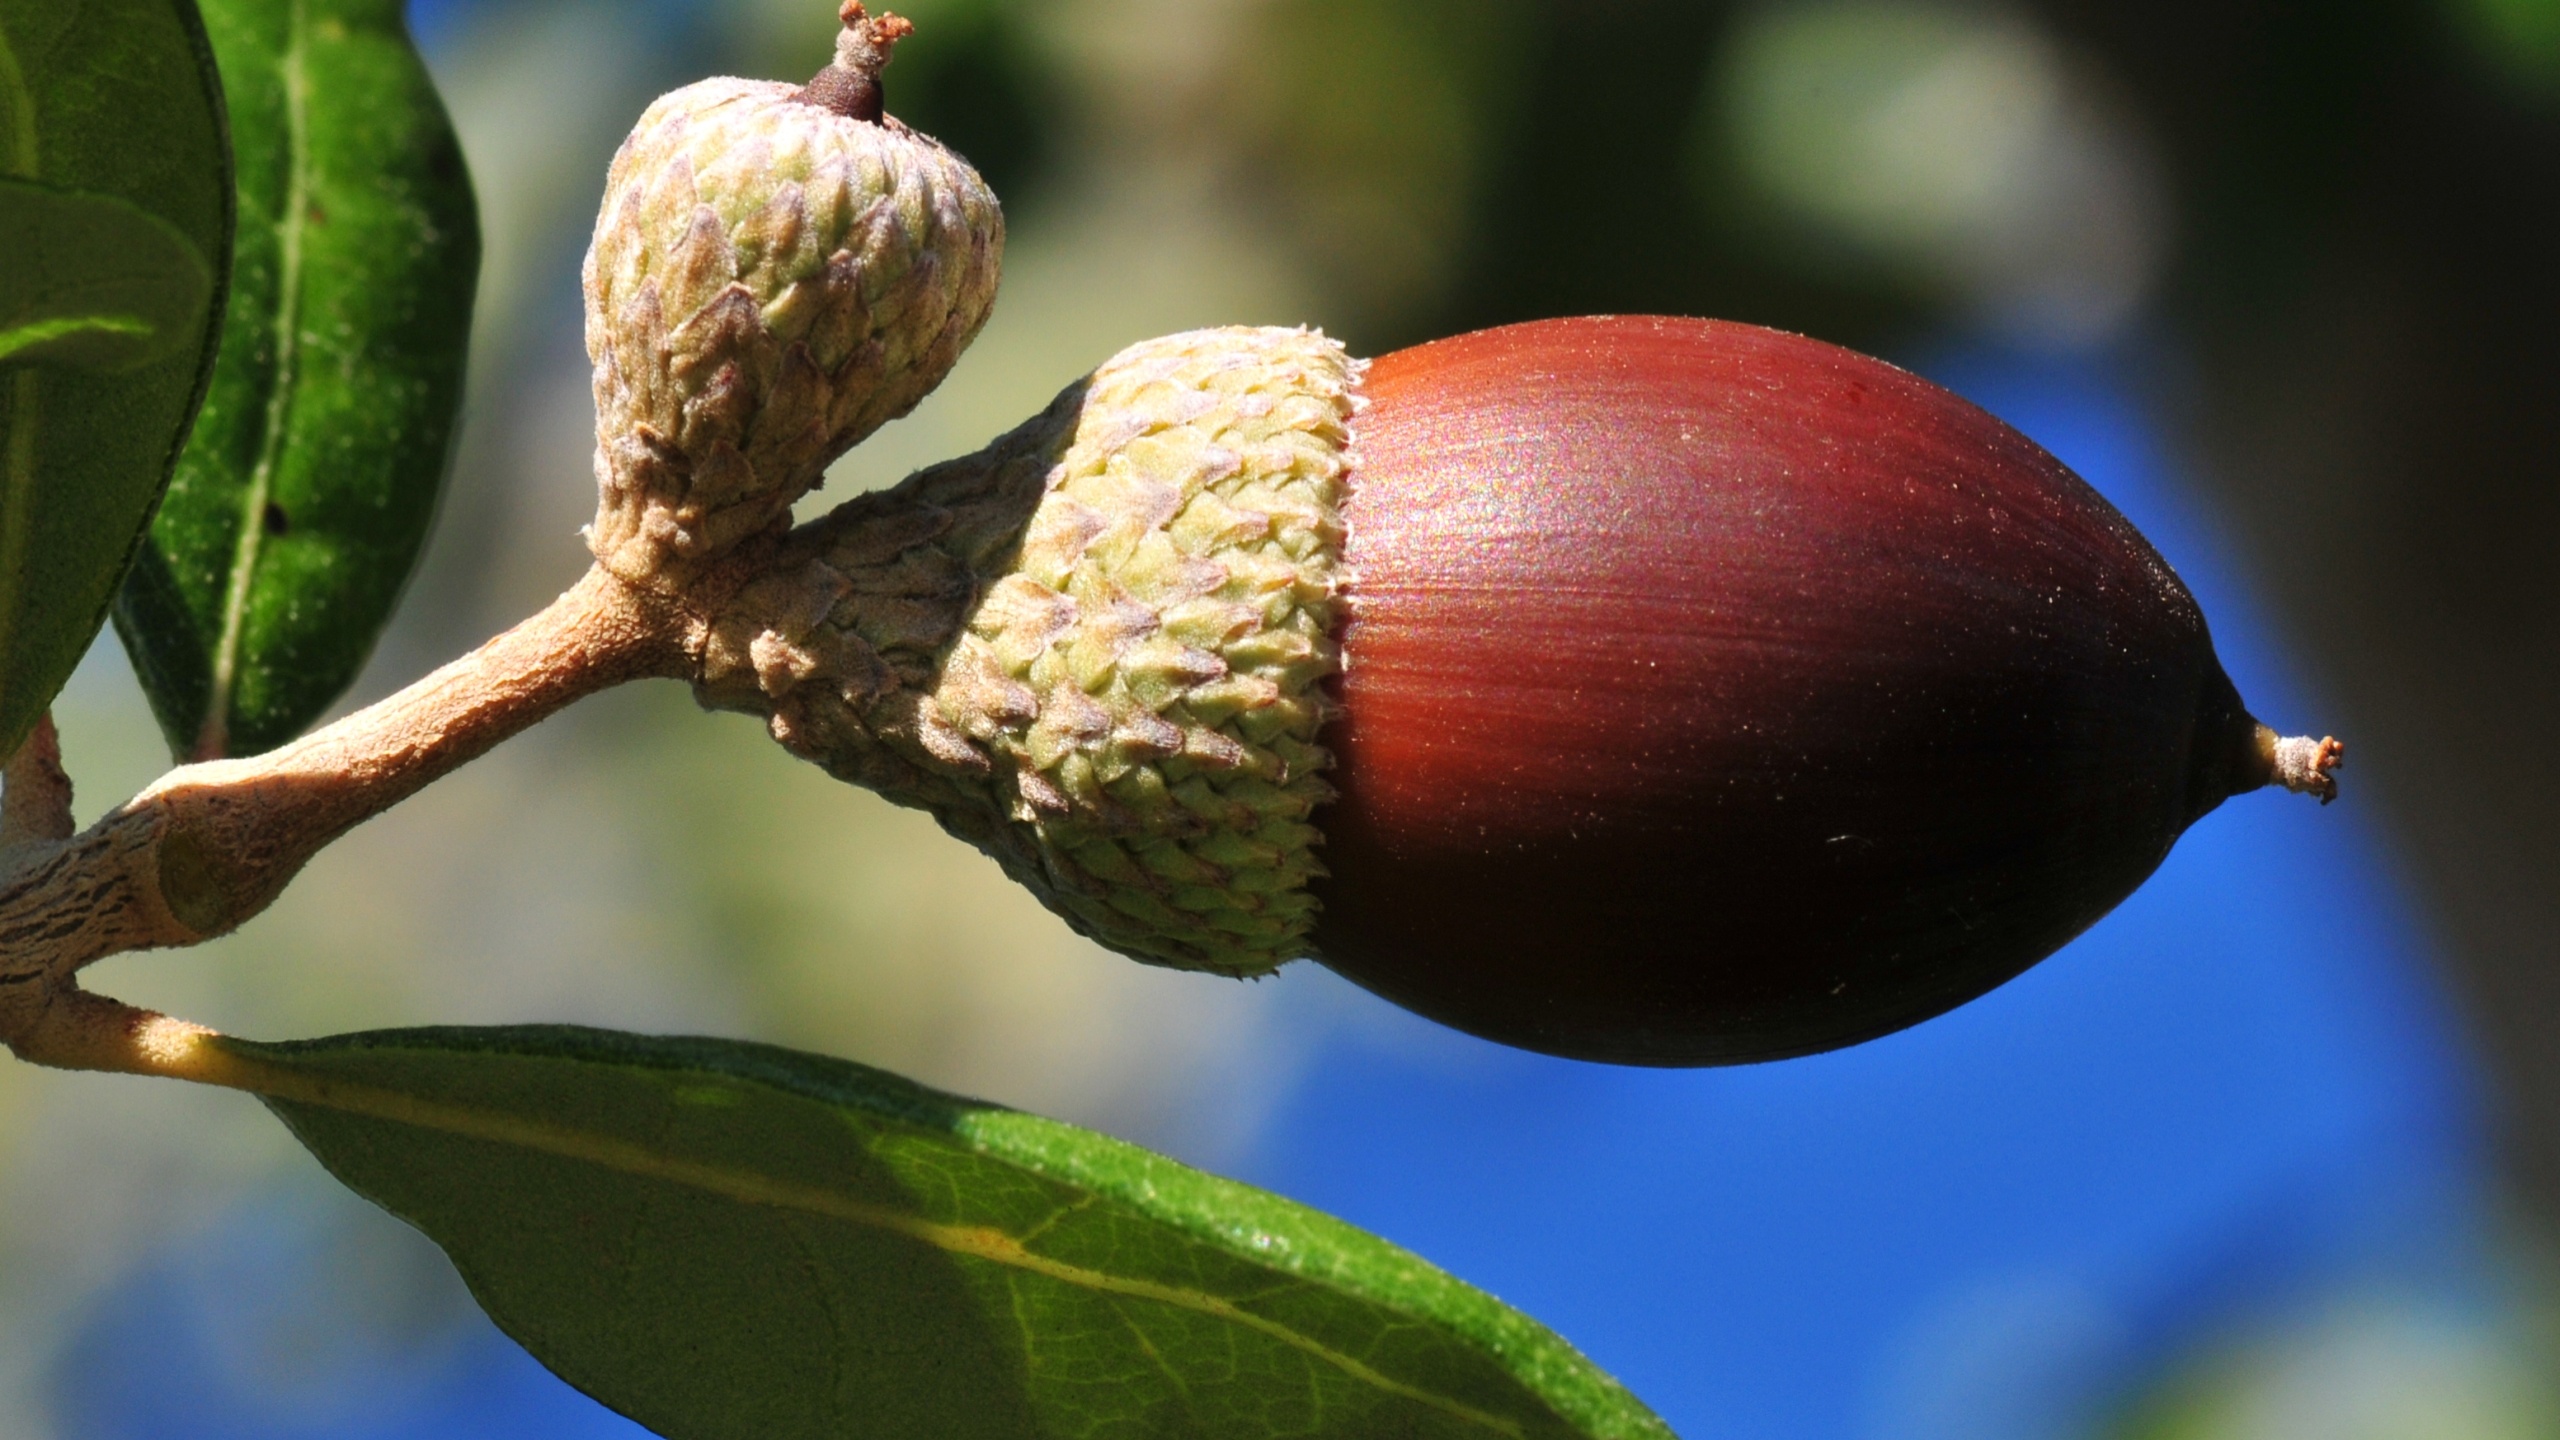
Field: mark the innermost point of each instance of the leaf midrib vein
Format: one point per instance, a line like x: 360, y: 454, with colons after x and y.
x: 977, y: 1242
x: 213, y: 735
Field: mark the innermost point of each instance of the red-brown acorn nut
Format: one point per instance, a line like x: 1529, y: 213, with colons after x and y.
x: 1713, y: 694
x: 1660, y: 691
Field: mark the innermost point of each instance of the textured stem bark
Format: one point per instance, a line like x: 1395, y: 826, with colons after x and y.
x: 35, y: 806
x: 210, y: 845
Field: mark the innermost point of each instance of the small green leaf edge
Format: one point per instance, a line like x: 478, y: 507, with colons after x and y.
x: 1225, y: 1213
x: 226, y: 188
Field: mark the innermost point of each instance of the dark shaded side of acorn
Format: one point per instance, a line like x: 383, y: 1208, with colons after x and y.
x: 1716, y: 695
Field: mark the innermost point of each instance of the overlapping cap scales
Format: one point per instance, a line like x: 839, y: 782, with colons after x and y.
x: 770, y: 282
x: 1096, y: 648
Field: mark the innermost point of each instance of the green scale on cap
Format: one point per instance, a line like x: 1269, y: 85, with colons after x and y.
x: 1095, y: 649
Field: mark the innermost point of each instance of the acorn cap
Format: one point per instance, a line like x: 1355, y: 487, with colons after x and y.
x: 1096, y: 648
x: 777, y: 271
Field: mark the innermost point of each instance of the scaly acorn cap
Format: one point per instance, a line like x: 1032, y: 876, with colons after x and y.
x: 1096, y: 648
x: 777, y: 271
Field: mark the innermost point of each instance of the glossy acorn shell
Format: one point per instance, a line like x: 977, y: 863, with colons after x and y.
x: 1714, y: 694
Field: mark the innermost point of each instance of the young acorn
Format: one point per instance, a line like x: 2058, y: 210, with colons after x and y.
x: 777, y: 271
x: 1658, y: 691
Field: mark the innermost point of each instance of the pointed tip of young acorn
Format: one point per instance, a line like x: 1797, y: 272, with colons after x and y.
x: 851, y: 85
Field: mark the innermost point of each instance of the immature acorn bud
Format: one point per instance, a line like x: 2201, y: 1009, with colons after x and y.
x: 777, y: 270
x: 1704, y: 693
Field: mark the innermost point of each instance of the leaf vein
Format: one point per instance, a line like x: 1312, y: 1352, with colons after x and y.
x: 214, y: 731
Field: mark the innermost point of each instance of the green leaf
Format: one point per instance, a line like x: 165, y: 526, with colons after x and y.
x: 115, y: 233
x: 94, y: 282
x: 301, y: 504
x: 730, y: 1240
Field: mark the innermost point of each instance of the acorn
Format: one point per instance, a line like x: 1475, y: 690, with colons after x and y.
x: 1658, y: 691
x: 777, y: 271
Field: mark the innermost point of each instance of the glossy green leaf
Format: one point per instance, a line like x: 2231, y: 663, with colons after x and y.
x: 94, y: 282
x: 729, y: 1240
x: 111, y: 142
x: 301, y: 504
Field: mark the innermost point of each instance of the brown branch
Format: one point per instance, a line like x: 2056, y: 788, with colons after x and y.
x: 35, y: 806
x: 81, y: 1031
x: 210, y: 845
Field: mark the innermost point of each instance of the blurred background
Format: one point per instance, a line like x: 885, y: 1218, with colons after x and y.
x: 2272, y: 1152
